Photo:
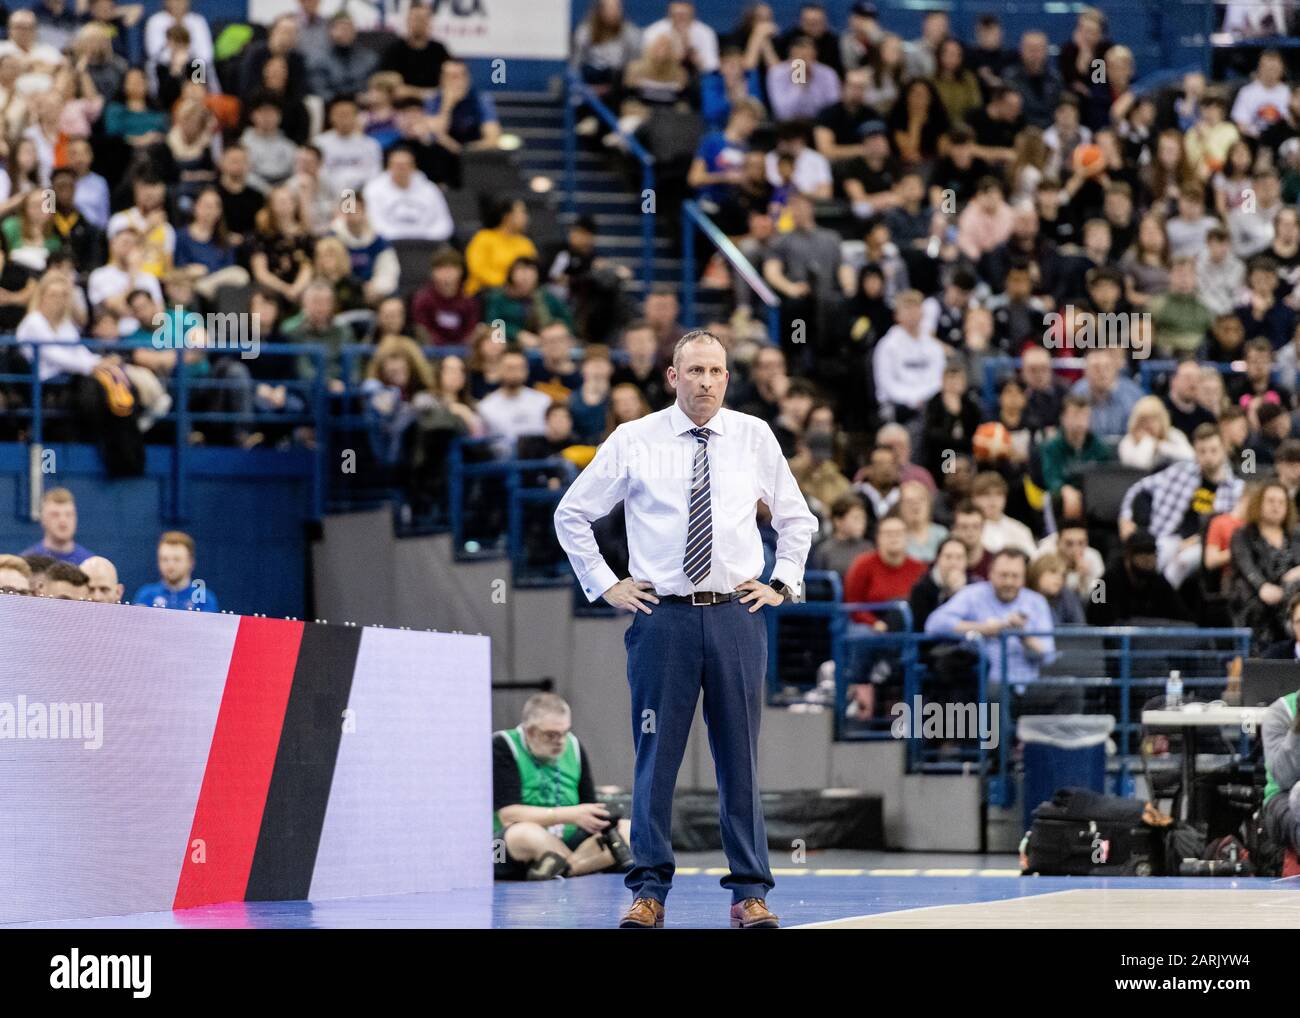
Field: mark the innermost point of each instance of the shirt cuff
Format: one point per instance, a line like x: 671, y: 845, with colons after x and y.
x: 599, y: 580
x: 789, y: 574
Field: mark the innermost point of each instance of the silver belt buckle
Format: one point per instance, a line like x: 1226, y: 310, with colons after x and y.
x: 699, y: 598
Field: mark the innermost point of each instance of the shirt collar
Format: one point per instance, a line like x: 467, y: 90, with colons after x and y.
x: 681, y: 423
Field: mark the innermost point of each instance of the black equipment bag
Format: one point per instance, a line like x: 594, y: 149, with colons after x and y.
x: 1082, y: 833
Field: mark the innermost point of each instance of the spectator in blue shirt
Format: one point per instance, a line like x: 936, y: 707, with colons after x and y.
x: 730, y: 83
x: 59, y: 526
x: 718, y: 167
x: 1002, y: 604
x: 177, y: 589
x: 1111, y: 394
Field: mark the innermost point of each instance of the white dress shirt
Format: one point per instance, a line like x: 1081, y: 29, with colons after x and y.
x: 648, y: 464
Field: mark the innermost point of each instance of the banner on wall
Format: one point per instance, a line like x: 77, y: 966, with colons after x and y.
x: 533, y: 29
x: 154, y: 759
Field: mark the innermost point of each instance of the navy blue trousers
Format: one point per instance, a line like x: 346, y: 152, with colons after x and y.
x: 674, y: 654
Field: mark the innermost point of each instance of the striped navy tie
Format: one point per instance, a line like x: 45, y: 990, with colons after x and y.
x: 699, y: 529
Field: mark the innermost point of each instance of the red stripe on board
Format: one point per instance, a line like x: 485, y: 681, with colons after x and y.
x: 228, y: 815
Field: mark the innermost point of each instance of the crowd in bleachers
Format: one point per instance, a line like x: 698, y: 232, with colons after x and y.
x: 943, y: 220
x: 935, y: 213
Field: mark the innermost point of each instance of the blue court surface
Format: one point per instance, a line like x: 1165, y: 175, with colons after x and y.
x: 894, y: 893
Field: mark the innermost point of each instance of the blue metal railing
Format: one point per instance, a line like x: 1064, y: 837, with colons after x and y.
x: 579, y: 93
x: 694, y: 218
x: 510, y: 473
x: 1121, y: 648
x: 182, y: 415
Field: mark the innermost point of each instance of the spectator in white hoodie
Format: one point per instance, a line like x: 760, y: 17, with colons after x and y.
x: 351, y: 158
x: 404, y: 204
x: 908, y: 361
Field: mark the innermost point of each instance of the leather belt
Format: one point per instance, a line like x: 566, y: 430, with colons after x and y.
x: 700, y: 597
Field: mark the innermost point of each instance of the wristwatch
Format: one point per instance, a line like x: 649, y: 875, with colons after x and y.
x: 781, y: 589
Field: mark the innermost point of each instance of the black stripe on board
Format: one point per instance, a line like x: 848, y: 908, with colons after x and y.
x: 304, y: 765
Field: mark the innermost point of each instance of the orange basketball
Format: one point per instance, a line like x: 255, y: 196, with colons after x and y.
x: 1089, y: 160
x: 992, y: 441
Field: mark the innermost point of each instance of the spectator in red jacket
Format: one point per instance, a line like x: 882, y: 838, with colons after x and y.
x: 442, y: 306
x: 886, y: 574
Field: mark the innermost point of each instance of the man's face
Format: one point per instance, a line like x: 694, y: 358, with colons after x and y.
x: 1007, y: 575
x: 768, y: 365
x: 1075, y: 420
x: 59, y: 520
x: 104, y: 587
x: 969, y: 529
x: 1143, y: 564
x: 884, y: 470
x: 891, y: 539
x: 1210, y: 455
x: 546, y: 737
x: 1033, y: 50
x: 812, y: 20
x: 1183, y: 385
x: 400, y: 166
x: 174, y: 563
x: 65, y: 190
x: 343, y: 32
x: 853, y: 524
x: 700, y: 378
x: 661, y: 309
x: 1038, y: 370
x: 514, y: 370
x: 1288, y: 473
x: 991, y: 504
x: 556, y: 342
x: 639, y: 343
x: 1072, y: 542
x: 319, y: 305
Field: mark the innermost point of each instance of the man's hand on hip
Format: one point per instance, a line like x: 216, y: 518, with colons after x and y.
x: 758, y: 594
x: 631, y: 595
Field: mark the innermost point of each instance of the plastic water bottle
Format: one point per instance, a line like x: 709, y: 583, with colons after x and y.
x: 1174, y: 691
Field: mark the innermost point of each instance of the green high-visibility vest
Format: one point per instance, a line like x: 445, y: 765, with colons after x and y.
x: 1272, y: 788
x: 544, y: 784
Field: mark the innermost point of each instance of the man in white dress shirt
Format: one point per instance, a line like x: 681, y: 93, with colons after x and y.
x: 690, y: 477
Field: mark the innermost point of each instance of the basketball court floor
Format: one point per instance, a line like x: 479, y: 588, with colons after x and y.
x: 836, y: 890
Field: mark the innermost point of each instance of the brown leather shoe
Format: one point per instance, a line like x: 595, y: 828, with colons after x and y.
x: 645, y: 914
x: 753, y: 914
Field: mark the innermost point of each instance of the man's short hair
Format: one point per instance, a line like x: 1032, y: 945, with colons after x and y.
x: 1015, y: 553
x: 542, y: 705
x: 1075, y: 401
x: 39, y: 564
x: 987, y: 481
x: 1140, y: 542
x: 1288, y: 451
x: 178, y: 537
x: 59, y: 496
x: 840, y: 508
x: 966, y: 508
x: 1205, y: 431
x: 694, y: 336
x: 66, y: 572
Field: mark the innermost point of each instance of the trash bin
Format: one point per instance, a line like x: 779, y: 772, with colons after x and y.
x: 1062, y: 751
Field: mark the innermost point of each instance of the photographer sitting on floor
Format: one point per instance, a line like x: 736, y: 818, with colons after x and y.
x: 547, y: 823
